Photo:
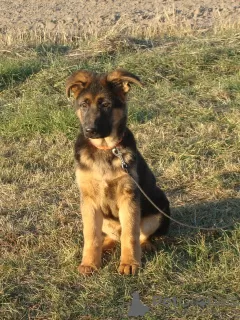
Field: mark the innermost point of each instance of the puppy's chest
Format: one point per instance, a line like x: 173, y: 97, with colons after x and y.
x: 103, y: 185
x: 103, y: 179
x: 104, y: 163
x: 108, y: 197
x: 106, y: 193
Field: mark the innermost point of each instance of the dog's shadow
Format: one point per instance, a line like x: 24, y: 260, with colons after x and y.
x: 223, y: 216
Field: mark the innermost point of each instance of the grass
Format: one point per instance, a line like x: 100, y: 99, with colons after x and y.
x: 186, y: 122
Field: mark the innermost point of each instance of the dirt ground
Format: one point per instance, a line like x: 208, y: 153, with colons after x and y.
x: 78, y: 15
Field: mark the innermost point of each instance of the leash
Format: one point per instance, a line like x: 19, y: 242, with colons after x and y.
x: 125, y: 167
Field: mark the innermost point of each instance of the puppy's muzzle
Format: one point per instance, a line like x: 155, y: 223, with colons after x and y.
x: 93, y: 132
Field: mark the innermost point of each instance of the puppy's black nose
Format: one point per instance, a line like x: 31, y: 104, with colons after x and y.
x: 91, y: 130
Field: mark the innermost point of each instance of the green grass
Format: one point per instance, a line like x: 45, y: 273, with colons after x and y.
x: 186, y: 121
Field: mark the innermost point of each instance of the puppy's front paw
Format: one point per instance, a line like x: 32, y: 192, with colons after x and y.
x: 128, y: 268
x: 87, y: 270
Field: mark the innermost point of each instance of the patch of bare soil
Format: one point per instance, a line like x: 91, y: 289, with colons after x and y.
x: 80, y: 16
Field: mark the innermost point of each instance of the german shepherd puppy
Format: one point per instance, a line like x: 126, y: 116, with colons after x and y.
x: 111, y: 204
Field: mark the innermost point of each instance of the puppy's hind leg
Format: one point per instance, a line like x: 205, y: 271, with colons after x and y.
x: 156, y: 224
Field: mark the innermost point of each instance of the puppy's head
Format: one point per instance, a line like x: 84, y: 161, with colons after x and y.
x: 100, y: 101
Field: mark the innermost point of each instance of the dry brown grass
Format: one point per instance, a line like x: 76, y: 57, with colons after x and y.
x: 186, y: 123
x: 166, y: 23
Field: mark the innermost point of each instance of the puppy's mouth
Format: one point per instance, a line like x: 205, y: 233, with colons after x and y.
x: 94, y: 134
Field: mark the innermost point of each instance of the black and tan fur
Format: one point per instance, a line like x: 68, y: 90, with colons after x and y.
x: 111, y: 204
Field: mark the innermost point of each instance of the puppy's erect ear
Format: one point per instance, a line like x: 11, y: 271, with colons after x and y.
x: 122, y: 79
x: 77, y: 82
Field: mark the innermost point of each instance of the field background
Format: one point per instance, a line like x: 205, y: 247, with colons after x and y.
x: 187, y: 124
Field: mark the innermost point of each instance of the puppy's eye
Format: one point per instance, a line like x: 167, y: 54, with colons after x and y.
x: 84, y: 104
x: 104, y: 103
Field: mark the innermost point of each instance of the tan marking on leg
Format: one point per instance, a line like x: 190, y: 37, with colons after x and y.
x: 92, y: 232
x: 129, y: 215
x: 147, y: 227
